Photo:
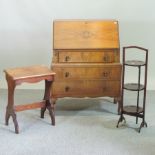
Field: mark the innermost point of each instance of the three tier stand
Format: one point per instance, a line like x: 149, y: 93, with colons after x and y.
x: 137, y: 110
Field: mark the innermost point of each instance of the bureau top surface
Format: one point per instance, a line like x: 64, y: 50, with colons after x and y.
x: 85, y: 34
x: 28, y: 72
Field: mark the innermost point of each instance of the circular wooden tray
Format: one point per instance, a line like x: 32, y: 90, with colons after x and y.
x: 132, y: 109
x: 133, y: 86
x: 134, y: 63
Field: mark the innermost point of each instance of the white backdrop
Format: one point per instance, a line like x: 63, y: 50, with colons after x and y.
x: 26, y: 28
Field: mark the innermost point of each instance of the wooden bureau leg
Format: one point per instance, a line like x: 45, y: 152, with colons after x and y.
x: 48, y: 104
x: 10, y: 107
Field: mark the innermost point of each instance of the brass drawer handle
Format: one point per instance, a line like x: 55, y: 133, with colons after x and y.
x: 106, y: 59
x: 67, y: 58
x: 67, y: 74
x: 106, y: 74
x: 67, y: 88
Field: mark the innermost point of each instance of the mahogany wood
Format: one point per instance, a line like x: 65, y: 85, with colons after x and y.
x: 28, y: 106
x: 32, y: 74
x: 86, y: 34
x: 137, y: 110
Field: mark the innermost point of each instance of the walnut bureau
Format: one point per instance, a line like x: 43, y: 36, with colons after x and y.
x: 86, y: 59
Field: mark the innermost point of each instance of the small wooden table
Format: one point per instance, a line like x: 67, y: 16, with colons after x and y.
x: 32, y: 74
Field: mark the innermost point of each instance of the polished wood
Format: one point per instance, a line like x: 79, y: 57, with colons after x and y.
x: 67, y: 71
x: 31, y: 74
x: 133, y: 109
x: 28, y: 106
x: 28, y: 72
x: 86, y: 34
x: 86, y: 88
x: 136, y: 110
x: 133, y: 86
x: 80, y: 56
x: 134, y: 63
x: 86, y: 59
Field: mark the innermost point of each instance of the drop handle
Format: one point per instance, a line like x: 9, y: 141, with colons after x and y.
x: 67, y: 58
x: 67, y: 88
x: 67, y: 74
x: 106, y: 58
x: 106, y: 74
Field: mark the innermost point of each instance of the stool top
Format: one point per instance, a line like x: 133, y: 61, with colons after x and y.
x: 28, y: 72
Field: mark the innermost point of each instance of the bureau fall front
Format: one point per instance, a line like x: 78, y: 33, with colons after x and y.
x: 86, y: 59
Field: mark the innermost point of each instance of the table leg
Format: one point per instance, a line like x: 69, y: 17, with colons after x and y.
x: 48, y: 104
x: 10, y: 107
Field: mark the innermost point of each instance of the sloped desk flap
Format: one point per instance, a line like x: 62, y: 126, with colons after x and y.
x: 86, y: 34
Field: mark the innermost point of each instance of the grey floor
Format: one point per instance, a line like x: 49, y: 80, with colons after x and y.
x: 83, y: 126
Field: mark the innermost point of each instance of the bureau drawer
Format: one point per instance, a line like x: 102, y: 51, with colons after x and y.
x: 87, y: 71
x: 105, y: 56
x: 86, y: 88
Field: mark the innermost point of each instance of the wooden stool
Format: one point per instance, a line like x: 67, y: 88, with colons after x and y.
x: 31, y: 74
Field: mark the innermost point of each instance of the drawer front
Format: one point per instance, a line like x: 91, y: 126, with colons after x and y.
x: 86, y: 88
x: 70, y: 72
x: 104, y: 56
